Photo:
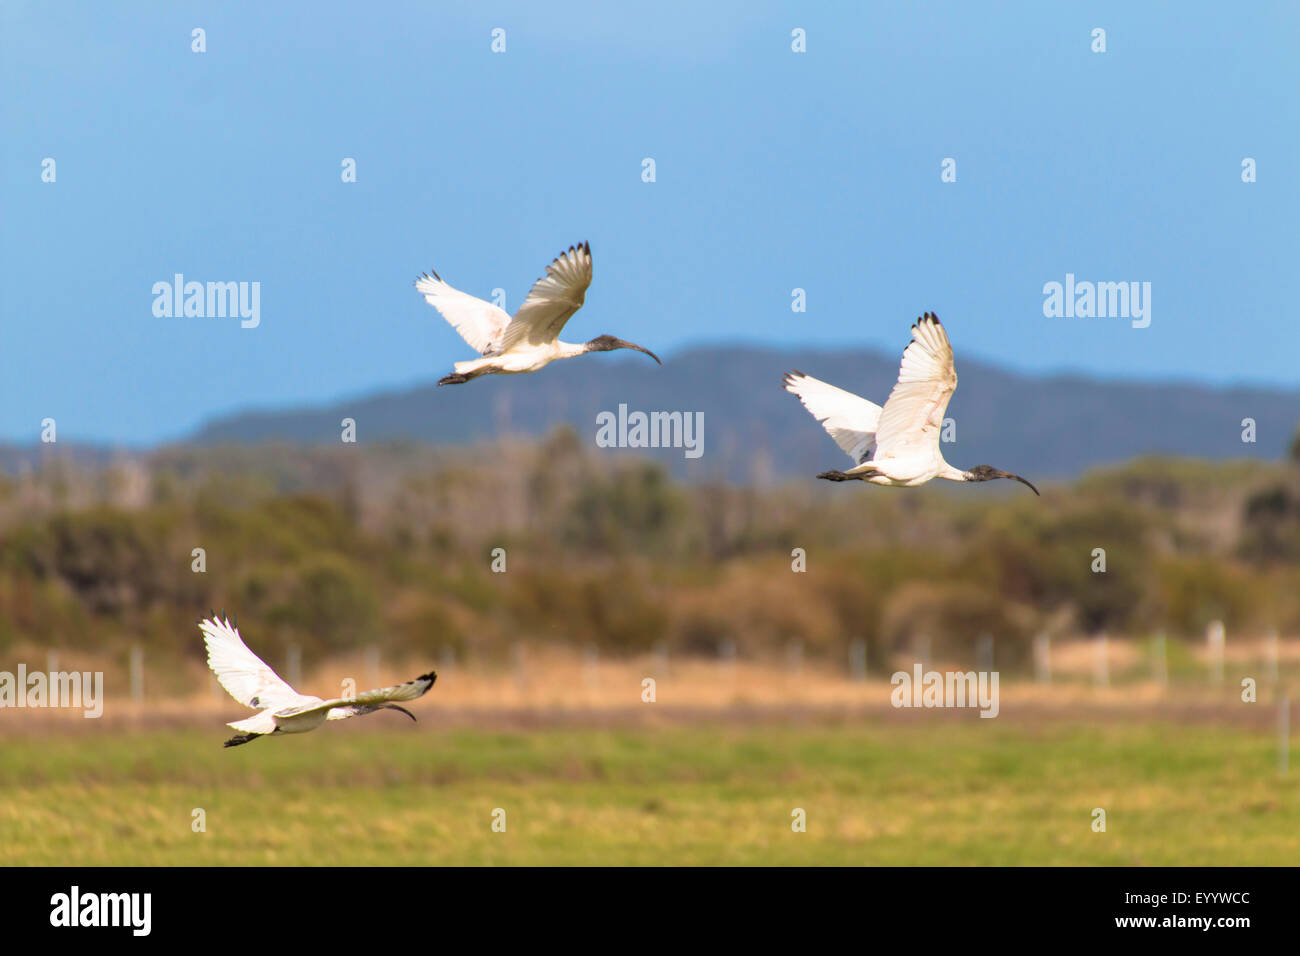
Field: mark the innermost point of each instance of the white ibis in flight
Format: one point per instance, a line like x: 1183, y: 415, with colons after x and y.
x: 530, y: 340
x: 281, y: 709
x: 896, y: 445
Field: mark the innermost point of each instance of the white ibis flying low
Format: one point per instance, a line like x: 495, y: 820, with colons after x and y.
x: 896, y: 445
x: 530, y: 340
x: 282, y: 710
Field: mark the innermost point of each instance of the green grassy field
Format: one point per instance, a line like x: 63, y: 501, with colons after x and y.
x: 946, y: 792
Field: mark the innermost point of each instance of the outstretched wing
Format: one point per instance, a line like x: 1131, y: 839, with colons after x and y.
x: 340, y: 708
x: 553, y: 299
x: 848, y: 418
x: 479, y: 323
x: 912, y: 418
x: 243, y: 674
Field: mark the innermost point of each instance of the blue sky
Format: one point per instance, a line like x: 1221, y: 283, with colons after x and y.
x: 774, y: 170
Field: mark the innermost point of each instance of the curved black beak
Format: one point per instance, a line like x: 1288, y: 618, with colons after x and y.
x: 607, y: 343
x: 632, y: 345
x: 402, y: 709
x: 1007, y: 474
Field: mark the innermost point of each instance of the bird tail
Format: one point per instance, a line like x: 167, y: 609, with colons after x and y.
x: 260, y: 723
x: 250, y: 728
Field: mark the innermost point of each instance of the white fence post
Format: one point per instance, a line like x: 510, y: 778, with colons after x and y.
x: 661, y: 660
x: 372, y: 665
x: 137, y: 673
x: 1101, y: 660
x: 1283, y: 733
x: 1043, y: 659
x: 1215, y: 637
x: 727, y: 656
x: 923, y: 652
x: 293, y: 665
x: 858, y: 660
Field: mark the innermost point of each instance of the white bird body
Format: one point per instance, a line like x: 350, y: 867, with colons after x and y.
x: 909, y: 472
x: 522, y: 358
x: 530, y: 340
x: 897, y: 445
x: 281, y: 709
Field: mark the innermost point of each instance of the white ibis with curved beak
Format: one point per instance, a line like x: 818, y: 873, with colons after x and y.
x: 530, y: 340
x: 283, y: 710
x: 896, y: 445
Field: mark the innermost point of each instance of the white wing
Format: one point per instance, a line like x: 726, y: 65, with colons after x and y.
x: 479, y: 323
x: 848, y: 418
x: 912, y: 418
x: 242, y: 673
x: 553, y: 299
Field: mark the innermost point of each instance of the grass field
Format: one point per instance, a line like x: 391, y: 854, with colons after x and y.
x: 930, y: 792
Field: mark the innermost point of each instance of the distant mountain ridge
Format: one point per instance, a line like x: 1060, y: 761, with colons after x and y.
x: 1040, y: 426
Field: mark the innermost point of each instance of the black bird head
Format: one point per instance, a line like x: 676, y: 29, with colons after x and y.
x: 608, y: 343
x: 988, y: 473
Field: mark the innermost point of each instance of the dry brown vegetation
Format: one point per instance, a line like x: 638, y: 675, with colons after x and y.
x: 336, y: 549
